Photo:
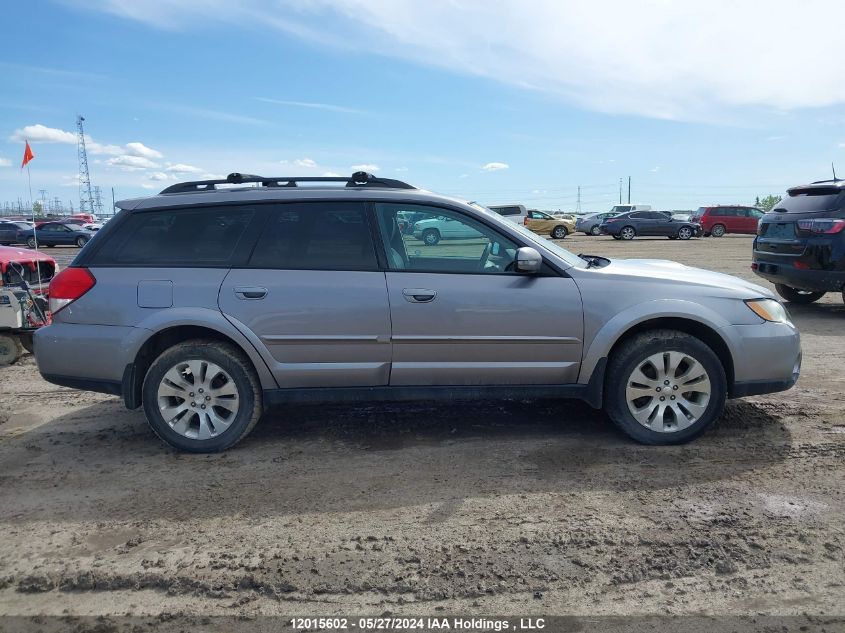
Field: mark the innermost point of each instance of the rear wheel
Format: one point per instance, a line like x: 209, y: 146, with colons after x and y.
x: 559, y: 232
x: 431, y: 237
x: 595, y: 230
x: 796, y: 295
x: 30, y: 241
x: 10, y: 349
x: 664, y: 387
x: 627, y: 233
x: 202, y: 396
x: 718, y: 230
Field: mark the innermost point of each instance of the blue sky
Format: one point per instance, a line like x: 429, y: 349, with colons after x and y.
x: 496, y: 102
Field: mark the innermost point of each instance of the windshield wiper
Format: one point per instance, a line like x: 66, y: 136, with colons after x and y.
x: 594, y: 261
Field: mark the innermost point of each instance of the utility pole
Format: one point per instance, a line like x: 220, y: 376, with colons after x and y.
x: 629, y: 190
x: 620, y: 191
x: 578, y: 204
x: 112, y: 201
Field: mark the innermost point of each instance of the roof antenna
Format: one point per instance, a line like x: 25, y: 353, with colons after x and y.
x: 834, y: 171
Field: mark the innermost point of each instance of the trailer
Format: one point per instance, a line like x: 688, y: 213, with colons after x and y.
x: 24, y: 305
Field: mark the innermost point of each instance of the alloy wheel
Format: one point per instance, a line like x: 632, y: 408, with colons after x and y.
x: 198, y: 399
x: 668, y: 391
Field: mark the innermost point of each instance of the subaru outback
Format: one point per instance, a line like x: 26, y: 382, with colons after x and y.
x: 208, y: 304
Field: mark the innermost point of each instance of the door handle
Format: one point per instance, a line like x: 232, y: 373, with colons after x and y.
x: 419, y: 295
x: 250, y: 292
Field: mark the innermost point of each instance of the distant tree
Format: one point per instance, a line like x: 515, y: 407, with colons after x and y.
x: 767, y: 203
x: 37, y: 208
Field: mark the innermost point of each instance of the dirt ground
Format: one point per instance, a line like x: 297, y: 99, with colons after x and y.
x: 520, y: 507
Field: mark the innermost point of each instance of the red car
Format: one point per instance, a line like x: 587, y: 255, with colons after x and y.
x: 16, y: 262
x: 721, y: 219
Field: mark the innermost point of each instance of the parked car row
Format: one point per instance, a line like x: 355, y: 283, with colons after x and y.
x: 46, y: 233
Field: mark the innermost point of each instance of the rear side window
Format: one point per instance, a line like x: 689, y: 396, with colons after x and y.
x: 204, y: 236
x: 809, y: 199
x: 508, y: 210
x: 317, y: 236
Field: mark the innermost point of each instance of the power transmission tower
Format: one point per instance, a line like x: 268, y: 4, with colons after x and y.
x: 578, y: 204
x: 98, y: 201
x: 86, y: 199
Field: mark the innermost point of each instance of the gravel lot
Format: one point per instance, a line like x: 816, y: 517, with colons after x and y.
x: 499, y: 508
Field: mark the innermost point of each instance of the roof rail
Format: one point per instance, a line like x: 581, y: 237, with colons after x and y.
x: 821, y: 182
x: 358, y: 179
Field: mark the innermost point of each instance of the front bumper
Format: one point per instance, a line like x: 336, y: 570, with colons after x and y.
x: 767, y: 358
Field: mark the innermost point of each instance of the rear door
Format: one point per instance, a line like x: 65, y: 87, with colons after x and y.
x: 312, y: 297
x: 461, y: 316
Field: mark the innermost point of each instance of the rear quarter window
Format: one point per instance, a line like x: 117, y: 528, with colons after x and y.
x: 196, y: 237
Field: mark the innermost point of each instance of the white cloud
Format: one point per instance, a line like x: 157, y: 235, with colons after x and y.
x: 312, y: 105
x: 139, y: 149
x: 304, y: 162
x: 464, y: 176
x: 330, y: 174
x: 146, y: 185
x: 42, y: 134
x: 401, y: 169
x: 158, y: 175
x: 5, y: 162
x: 682, y: 60
x: 132, y: 163
x: 495, y: 166
x: 655, y: 169
x: 181, y: 168
x: 39, y: 133
x: 367, y: 167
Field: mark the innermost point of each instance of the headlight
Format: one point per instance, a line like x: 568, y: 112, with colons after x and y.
x: 769, y: 310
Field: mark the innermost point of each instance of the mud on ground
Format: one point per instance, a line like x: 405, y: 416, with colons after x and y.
x: 496, y: 508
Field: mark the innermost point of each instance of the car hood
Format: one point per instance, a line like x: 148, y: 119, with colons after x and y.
x: 668, y: 271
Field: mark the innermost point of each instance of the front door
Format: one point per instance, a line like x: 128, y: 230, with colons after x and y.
x: 461, y: 316
x: 312, y: 298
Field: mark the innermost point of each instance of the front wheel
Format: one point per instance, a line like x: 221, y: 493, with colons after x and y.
x: 30, y: 241
x: 10, y: 349
x: 684, y: 233
x: 559, y: 232
x: 595, y: 230
x: 202, y: 396
x: 627, y: 233
x: 81, y: 241
x: 796, y: 295
x: 430, y: 237
x: 664, y: 387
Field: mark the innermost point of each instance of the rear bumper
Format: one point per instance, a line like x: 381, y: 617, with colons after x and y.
x: 783, y: 272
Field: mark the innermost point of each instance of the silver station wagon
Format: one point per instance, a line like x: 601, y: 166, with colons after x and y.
x: 209, y: 303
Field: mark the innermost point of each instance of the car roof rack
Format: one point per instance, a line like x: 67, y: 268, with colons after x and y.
x: 357, y: 180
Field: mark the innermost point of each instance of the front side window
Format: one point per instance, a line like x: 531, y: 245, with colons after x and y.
x: 318, y: 236
x: 441, y: 240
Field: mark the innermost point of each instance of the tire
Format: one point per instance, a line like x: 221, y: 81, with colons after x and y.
x: 673, y: 237
x: 431, y: 237
x: 627, y: 233
x: 692, y: 412
x: 81, y: 241
x: 559, y: 232
x: 705, y: 234
x: 616, y: 237
x: 240, y: 379
x: 684, y: 233
x: 796, y: 295
x: 10, y: 349
x: 30, y: 242
x: 595, y: 230
x: 27, y: 342
x: 718, y: 230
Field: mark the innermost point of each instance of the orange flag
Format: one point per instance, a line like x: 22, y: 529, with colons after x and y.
x: 27, y: 155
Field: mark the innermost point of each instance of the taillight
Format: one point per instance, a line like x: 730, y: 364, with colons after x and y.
x: 525, y: 221
x: 822, y: 225
x: 68, y: 286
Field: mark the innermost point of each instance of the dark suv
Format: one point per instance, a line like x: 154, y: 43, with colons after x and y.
x: 800, y: 244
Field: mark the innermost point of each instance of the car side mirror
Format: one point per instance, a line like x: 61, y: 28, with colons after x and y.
x: 528, y: 260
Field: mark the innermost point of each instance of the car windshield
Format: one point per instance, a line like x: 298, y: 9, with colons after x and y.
x: 569, y: 258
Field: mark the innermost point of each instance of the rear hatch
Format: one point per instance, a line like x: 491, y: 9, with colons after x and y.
x: 809, y: 215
